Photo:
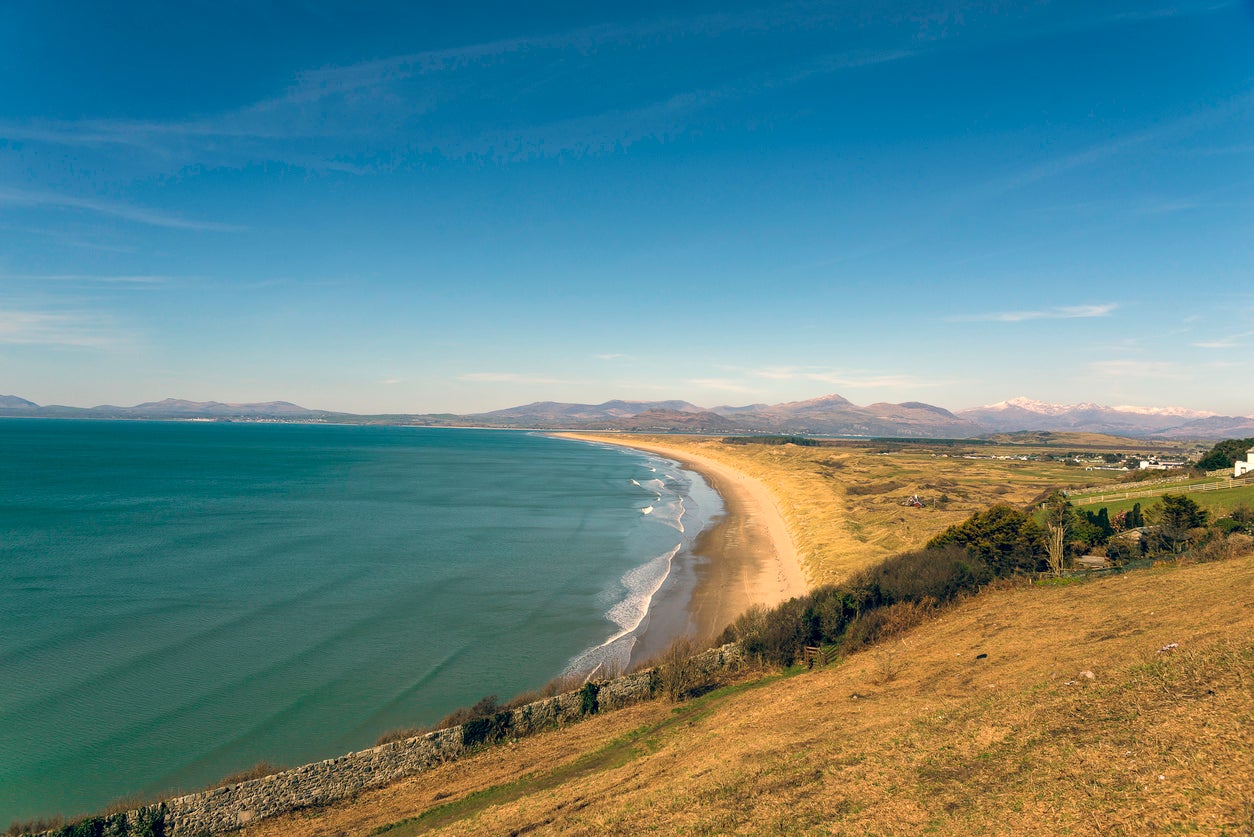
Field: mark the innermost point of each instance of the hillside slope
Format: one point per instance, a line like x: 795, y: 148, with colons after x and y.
x: 1119, y: 706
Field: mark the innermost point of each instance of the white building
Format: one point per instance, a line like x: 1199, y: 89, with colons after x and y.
x: 1246, y: 467
x: 1160, y: 464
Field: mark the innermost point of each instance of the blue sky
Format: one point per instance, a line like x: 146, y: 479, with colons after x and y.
x: 399, y: 207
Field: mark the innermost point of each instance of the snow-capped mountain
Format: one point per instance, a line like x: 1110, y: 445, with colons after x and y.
x: 1030, y: 414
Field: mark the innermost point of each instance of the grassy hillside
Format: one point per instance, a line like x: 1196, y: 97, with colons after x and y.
x: 1118, y: 706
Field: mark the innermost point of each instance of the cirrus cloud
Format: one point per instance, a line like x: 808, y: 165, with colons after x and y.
x: 1066, y: 312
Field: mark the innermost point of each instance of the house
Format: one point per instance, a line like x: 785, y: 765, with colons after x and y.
x: 1154, y: 464
x: 1246, y: 467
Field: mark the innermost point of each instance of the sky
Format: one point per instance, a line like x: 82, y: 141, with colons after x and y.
x: 410, y: 207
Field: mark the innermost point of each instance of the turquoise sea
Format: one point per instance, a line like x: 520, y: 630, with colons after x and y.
x: 179, y: 601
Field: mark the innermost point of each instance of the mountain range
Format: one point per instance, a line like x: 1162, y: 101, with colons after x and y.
x: 830, y: 415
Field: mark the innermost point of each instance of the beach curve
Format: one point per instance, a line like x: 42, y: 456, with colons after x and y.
x: 746, y: 557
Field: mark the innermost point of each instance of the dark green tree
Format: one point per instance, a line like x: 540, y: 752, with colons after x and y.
x: 1174, y: 515
x: 1099, y: 526
x: 1004, y: 537
x: 1225, y: 454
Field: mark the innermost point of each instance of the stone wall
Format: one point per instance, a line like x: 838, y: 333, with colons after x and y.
x: 226, y: 808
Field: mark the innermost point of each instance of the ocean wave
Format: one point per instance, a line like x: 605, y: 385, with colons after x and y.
x: 641, y: 584
x: 671, y: 513
x: 647, y: 510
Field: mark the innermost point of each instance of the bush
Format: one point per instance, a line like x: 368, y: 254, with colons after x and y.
x: 486, y: 729
x: 880, y: 602
x: 1224, y: 454
x: 677, y: 670
x: 937, y: 573
x: 884, y: 623
x: 1120, y: 550
x: 588, y: 698
x: 1002, y: 536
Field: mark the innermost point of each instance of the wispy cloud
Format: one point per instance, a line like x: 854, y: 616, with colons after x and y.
x: 50, y: 328
x: 126, y: 212
x: 387, y: 110
x: 1232, y: 341
x: 508, y: 378
x: 1166, y: 132
x: 1069, y: 312
x: 613, y: 356
x: 131, y: 281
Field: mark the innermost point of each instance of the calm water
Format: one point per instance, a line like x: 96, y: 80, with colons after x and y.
x: 181, y: 600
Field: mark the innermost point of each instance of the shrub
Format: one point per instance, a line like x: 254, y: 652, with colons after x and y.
x: 938, y: 573
x: 399, y: 734
x: 1002, y: 536
x: 677, y: 670
x: 486, y: 707
x: 880, y: 602
x: 20, y: 827
x: 257, y: 771
x: 486, y: 729
x: 588, y: 698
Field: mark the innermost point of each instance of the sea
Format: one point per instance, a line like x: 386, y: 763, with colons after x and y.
x: 182, y: 600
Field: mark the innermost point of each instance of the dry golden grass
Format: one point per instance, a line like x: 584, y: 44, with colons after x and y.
x: 983, y: 721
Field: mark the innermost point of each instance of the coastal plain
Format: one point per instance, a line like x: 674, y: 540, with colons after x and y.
x: 828, y: 511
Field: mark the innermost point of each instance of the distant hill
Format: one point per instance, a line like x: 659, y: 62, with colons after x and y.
x: 181, y: 407
x: 661, y: 420
x: 1026, y: 414
x: 547, y: 412
x: 835, y: 415
x: 827, y: 415
x: 1212, y: 427
x: 169, y: 408
x: 831, y: 415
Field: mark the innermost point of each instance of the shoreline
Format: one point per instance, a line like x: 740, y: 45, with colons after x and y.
x: 743, y: 557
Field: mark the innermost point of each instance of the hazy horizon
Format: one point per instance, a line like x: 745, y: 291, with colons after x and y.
x: 401, y: 208
x: 627, y: 399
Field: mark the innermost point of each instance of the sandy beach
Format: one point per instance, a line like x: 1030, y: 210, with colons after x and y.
x: 746, y: 557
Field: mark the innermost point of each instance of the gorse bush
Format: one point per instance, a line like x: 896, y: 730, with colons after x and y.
x: 1002, y: 536
x: 147, y: 821
x: 878, y: 603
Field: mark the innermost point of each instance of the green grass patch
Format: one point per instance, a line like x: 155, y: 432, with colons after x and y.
x: 1218, y: 503
x: 1060, y: 581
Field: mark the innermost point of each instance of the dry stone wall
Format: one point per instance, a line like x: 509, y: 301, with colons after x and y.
x: 227, y: 808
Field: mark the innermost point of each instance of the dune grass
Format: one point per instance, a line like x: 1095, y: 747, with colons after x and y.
x: 844, y: 505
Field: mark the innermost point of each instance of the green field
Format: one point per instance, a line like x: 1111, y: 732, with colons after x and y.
x: 1218, y: 503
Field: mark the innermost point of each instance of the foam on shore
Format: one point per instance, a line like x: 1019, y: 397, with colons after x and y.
x: 630, y: 605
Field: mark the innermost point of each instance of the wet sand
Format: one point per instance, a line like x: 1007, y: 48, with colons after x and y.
x: 745, y: 557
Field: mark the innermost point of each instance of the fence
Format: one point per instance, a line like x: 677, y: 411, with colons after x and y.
x: 1222, y: 485
x: 813, y: 655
